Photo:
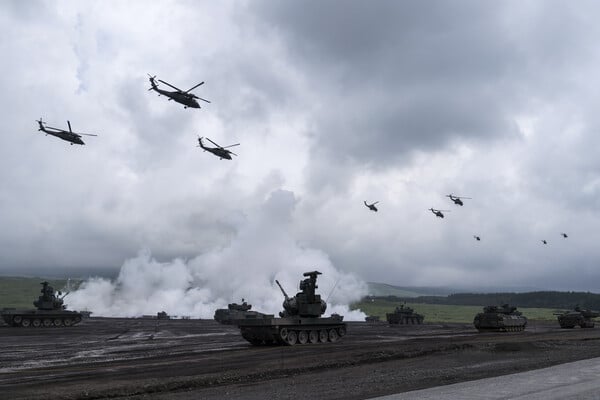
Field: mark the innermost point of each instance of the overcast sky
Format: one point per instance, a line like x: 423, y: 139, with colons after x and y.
x: 334, y: 103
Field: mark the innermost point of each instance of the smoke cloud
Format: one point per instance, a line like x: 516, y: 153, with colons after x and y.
x: 262, y: 251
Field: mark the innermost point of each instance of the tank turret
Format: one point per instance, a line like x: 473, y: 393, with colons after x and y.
x: 306, y: 303
x: 49, y: 300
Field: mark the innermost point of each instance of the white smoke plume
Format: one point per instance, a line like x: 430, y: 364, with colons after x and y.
x: 262, y: 250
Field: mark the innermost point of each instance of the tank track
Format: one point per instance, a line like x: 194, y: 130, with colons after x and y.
x: 291, y: 335
x: 503, y: 329
x: 42, y: 321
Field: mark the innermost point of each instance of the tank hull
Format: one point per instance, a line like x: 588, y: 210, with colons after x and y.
x: 289, y: 331
x: 232, y: 317
x: 571, y: 319
x: 40, y: 318
x: 492, y: 322
x: 404, y: 318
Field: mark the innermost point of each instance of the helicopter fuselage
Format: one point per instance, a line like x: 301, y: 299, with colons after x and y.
x: 64, y: 135
x: 182, y: 98
x: 221, y: 153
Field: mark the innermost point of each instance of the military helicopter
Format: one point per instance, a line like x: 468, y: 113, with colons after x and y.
x: 457, y: 199
x: 544, y: 241
x: 218, y: 151
x: 477, y: 238
x: 564, y: 235
x: 438, y: 213
x: 184, y: 97
x: 372, y: 206
x: 69, y: 136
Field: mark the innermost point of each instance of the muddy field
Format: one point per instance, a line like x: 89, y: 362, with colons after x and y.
x: 200, y: 359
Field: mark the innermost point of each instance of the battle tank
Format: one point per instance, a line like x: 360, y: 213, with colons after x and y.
x: 235, y: 312
x: 404, y: 315
x: 583, y: 318
x: 50, y: 312
x: 500, y: 319
x: 300, y: 321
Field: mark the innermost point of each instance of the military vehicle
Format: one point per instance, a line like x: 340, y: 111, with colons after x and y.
x: 404, y: 315
x: 235, y: 312
x: 500, y: 319
x: 372, y: 318
x: 583, y: 318
x: 300, y: 322
x: 50, y: 312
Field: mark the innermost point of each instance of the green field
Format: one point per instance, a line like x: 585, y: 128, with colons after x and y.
x: 442, y: 312
x: 18, y: 292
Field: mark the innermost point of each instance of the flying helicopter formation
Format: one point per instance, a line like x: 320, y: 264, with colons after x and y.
x: 184, y: 97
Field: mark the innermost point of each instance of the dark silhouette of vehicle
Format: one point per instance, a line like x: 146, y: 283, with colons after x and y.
x: 457, y: 199
x: 235, y: 312
x: 500, y: 319
x: 564, y: 235
x: 371, y: 206
x: 544, y: 241
x: 181, y: 96
x: 438, y: 213
x: 69, y: 136
x: 218, y: 151
x: 300, y: 322
x: 404, y: 316
x: 478, y: 238
x: 50, y: 312
x: 372, y: 318
x: 577, y: 317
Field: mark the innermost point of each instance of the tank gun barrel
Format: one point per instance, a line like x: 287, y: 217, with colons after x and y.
x: 283, y: 291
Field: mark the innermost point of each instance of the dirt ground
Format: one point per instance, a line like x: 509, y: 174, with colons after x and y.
x: 200, y: 359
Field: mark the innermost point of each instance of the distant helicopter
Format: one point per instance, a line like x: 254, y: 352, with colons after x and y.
x: 564, y: 235
x: 183, y: 97
x: 477, y: 238
x: 544, y: 241
x: 69, y: 136
x: 218, y: 151
x: 457, y: 199
x: 438, y: 213
x: 372, y: 206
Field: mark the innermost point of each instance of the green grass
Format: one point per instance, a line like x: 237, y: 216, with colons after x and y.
x: 442, y: 312
x: 18, y: 292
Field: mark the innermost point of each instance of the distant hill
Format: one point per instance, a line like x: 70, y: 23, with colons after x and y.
x: 383, y: 289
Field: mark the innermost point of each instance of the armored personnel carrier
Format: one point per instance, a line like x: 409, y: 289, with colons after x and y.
x: 300, y: 321
x: 235, y: 312
x: 583, y: 318
x: 50, y: 312
x: 500, y: 319
x: 404, y: 315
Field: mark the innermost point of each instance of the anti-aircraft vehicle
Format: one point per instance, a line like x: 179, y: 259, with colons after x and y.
x: 371, y: 206
x: 457, y: 199
x: 69, y: 136
x: 50, y: 312
x: 300, y: 322
x: 218, y: 151
x: 181, y: 96
x: 438, y: 213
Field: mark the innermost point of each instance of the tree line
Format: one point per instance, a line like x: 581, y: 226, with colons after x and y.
x: 542, y: 299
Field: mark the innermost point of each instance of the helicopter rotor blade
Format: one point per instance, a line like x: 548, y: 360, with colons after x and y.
x: 69, y: 122
x: 168, y: 84
x: 189, y: 90
x: 218, y: 145
x: 231, y: 152
x: 202, y: 99
x: 231, y: 145
x: 87, y: 134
